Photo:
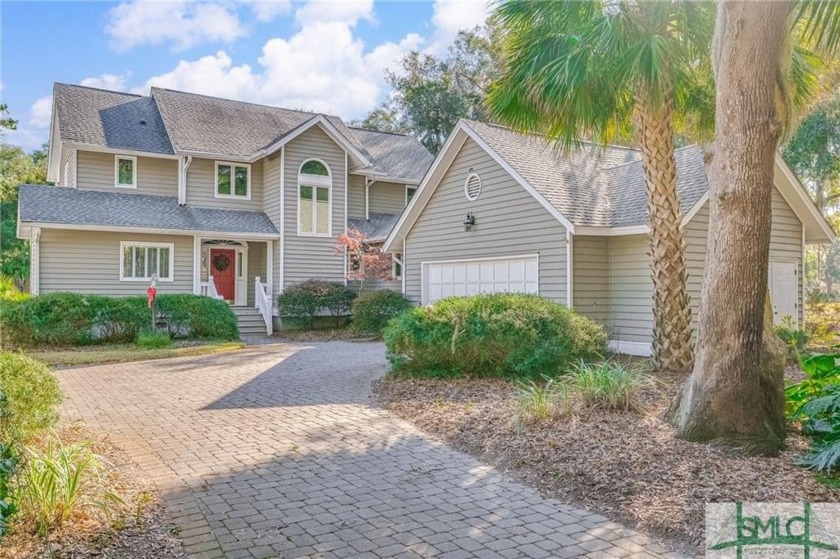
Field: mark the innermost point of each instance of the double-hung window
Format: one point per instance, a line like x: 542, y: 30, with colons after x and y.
x: 314, y: 203
x: 125, y: 171
x: 233, y: 180
x: 142, y: 261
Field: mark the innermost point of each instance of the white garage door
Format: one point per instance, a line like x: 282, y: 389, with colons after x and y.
x: 468, y: 277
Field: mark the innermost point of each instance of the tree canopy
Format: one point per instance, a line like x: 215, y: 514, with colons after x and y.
x: 429, y: 93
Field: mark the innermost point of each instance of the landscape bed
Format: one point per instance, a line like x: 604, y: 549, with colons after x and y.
x: 124, y: 353
x: 628, y: 465
x: 138, y: 529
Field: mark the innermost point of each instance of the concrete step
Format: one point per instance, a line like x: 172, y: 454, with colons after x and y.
x: 250, y: 321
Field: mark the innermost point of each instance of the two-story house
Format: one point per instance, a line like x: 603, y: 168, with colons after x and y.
x: 212, y: 196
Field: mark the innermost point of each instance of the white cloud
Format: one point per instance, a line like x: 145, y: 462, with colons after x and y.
x: 107, y: 81
x: 451, y: 16
x: 184, y: 24
x: 267, y: 10
x: 39, y: 114
x: 322, y: 67
x: 349, y: 12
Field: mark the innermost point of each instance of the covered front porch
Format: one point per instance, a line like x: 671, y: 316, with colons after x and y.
x: 236, y: 270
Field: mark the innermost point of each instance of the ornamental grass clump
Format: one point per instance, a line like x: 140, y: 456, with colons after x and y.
x: 509, y: 335
x: 59, y: 481
x: 608, y: 385
x: 538, y: 401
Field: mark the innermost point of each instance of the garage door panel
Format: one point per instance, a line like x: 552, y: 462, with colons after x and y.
x: 518, y: 274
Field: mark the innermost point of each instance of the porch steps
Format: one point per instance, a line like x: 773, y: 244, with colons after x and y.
x: 250, y: 320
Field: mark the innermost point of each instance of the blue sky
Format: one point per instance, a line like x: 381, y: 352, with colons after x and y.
x: 327, y: 56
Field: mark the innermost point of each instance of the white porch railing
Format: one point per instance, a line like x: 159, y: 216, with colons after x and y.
x: 262, y: 301
x: 208, y: 289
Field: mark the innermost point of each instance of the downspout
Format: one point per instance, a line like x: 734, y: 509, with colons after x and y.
x: 346, y: 196
x: 368, y: 183
x: 183, y: 166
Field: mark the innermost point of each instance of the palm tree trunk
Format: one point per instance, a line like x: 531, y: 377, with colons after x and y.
x: 735, y: 395
x: 671, y: 345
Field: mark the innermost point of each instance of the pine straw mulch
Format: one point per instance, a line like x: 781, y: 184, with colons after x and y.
x: 138, y: 529
x: 627, y: 465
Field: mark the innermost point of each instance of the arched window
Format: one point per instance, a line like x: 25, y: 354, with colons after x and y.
x: 314, y: 203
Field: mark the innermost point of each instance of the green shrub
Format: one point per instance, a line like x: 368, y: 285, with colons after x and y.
x: 60, y: 481
x: 8, y: 468
x: 31, y: 395
x: 815, y: 402
x: 608, y: 385
x: 153, y: 340
x: 9, y: 291
x: 73, y: 319
x: 372, y: 311
x: 196, y: 317
x: 503, y: 334
x: 792, y: 335
x: 307, y: 299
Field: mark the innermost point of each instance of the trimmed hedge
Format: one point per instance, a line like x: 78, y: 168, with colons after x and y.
x: 499, y: 335
x: 372, y: 311
x: 72, y: 319
x: 29, y: 394
x: 305, y: 300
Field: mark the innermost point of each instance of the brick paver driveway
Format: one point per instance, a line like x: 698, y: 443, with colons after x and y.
x: 275, y: 452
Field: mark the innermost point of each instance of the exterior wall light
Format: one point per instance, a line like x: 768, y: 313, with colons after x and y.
x: 469, y: 222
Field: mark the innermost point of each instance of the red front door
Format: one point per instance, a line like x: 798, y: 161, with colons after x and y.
x: 223, y: 270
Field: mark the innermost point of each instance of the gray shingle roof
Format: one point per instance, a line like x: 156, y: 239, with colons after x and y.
x: 592, y: 186
x: 62, y: 205
x: 178, y: 121
x: 377, y: 227
x: 110, y: 119
x: 395, y: 155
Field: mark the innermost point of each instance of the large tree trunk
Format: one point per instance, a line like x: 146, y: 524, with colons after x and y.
x: 671, y: 346
x: 735, y: 395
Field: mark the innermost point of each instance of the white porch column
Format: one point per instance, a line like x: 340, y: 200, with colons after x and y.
x: 35, y: 261
x: 196, y: 265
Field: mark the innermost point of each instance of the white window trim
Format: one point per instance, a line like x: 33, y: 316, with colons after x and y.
x: 170, y: 246
x: 396, y: 259
x: 407, y: 188
x: 133, y: 160
x: 315, y: 181
x: 232, y: 164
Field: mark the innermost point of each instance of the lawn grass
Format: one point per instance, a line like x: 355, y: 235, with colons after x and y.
x: 124, y: 353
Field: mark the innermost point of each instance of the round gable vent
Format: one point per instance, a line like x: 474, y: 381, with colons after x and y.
x: 472, y: 186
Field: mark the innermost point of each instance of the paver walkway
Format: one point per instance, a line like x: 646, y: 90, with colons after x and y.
x: 275, y: 452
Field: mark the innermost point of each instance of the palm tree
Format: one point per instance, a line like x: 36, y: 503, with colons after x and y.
x: 735, y: 395
x: 622, y: 68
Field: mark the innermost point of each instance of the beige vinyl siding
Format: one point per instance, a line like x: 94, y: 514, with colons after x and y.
x: 256, y: 267
x: 271, y: 196
x: 630, y: 285
x: 313, y: 257
x: 356, y: 197
x: 89, y: 262
x: 630, y: 289
x: 68, y: 168
x: 509, y: 220
x: 387, y: 197
x: 591, y: 285
x: 95, y: 171
x: 201, y: 187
